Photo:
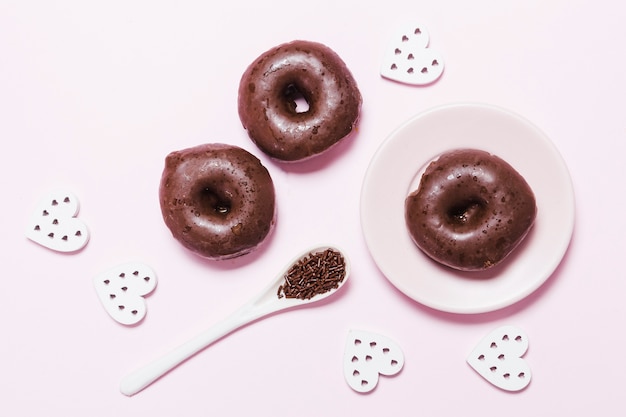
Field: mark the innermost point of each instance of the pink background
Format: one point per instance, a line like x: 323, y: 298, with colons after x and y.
x: 93, y: 95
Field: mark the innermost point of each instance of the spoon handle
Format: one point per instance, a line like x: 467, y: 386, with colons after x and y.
x: 142, y: 377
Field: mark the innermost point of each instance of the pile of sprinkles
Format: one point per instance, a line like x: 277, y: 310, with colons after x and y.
x: 314, y: 274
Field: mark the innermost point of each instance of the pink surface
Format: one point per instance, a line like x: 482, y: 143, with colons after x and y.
x: 92, y: 97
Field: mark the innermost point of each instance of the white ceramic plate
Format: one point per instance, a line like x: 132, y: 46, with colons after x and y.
x: 395, y: 171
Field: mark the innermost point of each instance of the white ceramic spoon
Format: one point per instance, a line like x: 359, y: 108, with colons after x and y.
x: 265, y: 303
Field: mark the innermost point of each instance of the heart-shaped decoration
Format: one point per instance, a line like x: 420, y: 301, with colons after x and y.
x: 54, y: 224
x: 122, y: 289
x: 368, y: 355
x: 409, y: 60
x: 498, y: 358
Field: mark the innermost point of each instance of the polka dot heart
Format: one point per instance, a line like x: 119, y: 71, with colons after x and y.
x: 122, y: 289
x: 498, y: 358
x: 368, y: 355
x: 409, y: 60
x: 54, y: 224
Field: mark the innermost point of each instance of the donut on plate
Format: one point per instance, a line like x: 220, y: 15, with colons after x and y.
x: 470, y: 210
x: 217, y: 200
x: 297, y: 100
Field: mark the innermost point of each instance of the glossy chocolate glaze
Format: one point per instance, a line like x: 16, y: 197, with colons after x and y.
x: 470, y: 211
x: 217, y: 200
x: 267, y: 100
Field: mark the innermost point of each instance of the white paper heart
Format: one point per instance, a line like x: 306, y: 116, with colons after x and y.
x: 498, y: 358
x: 368, y: 355
x: 54, y: 224
x: 409, y: 60
x: 122, y: 289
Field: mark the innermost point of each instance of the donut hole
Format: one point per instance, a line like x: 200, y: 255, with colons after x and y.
x: 466, y: 212
x: 296, y: 98
x: 213, y: 202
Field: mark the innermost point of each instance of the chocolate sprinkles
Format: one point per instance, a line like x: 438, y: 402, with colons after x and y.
x: 314, y: 274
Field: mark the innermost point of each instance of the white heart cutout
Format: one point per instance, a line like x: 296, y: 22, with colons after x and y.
x: 498, y: 358
x: 409, y: 60
x: 122, y: 289
x: 368, y: 355
x: 54, y: 224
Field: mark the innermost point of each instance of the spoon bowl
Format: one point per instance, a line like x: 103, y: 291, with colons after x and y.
x: 326, y: 270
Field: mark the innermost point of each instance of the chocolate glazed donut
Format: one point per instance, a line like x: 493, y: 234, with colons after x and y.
x: 470, y: 211
x: 217, y: 200
x: 299, y: 70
